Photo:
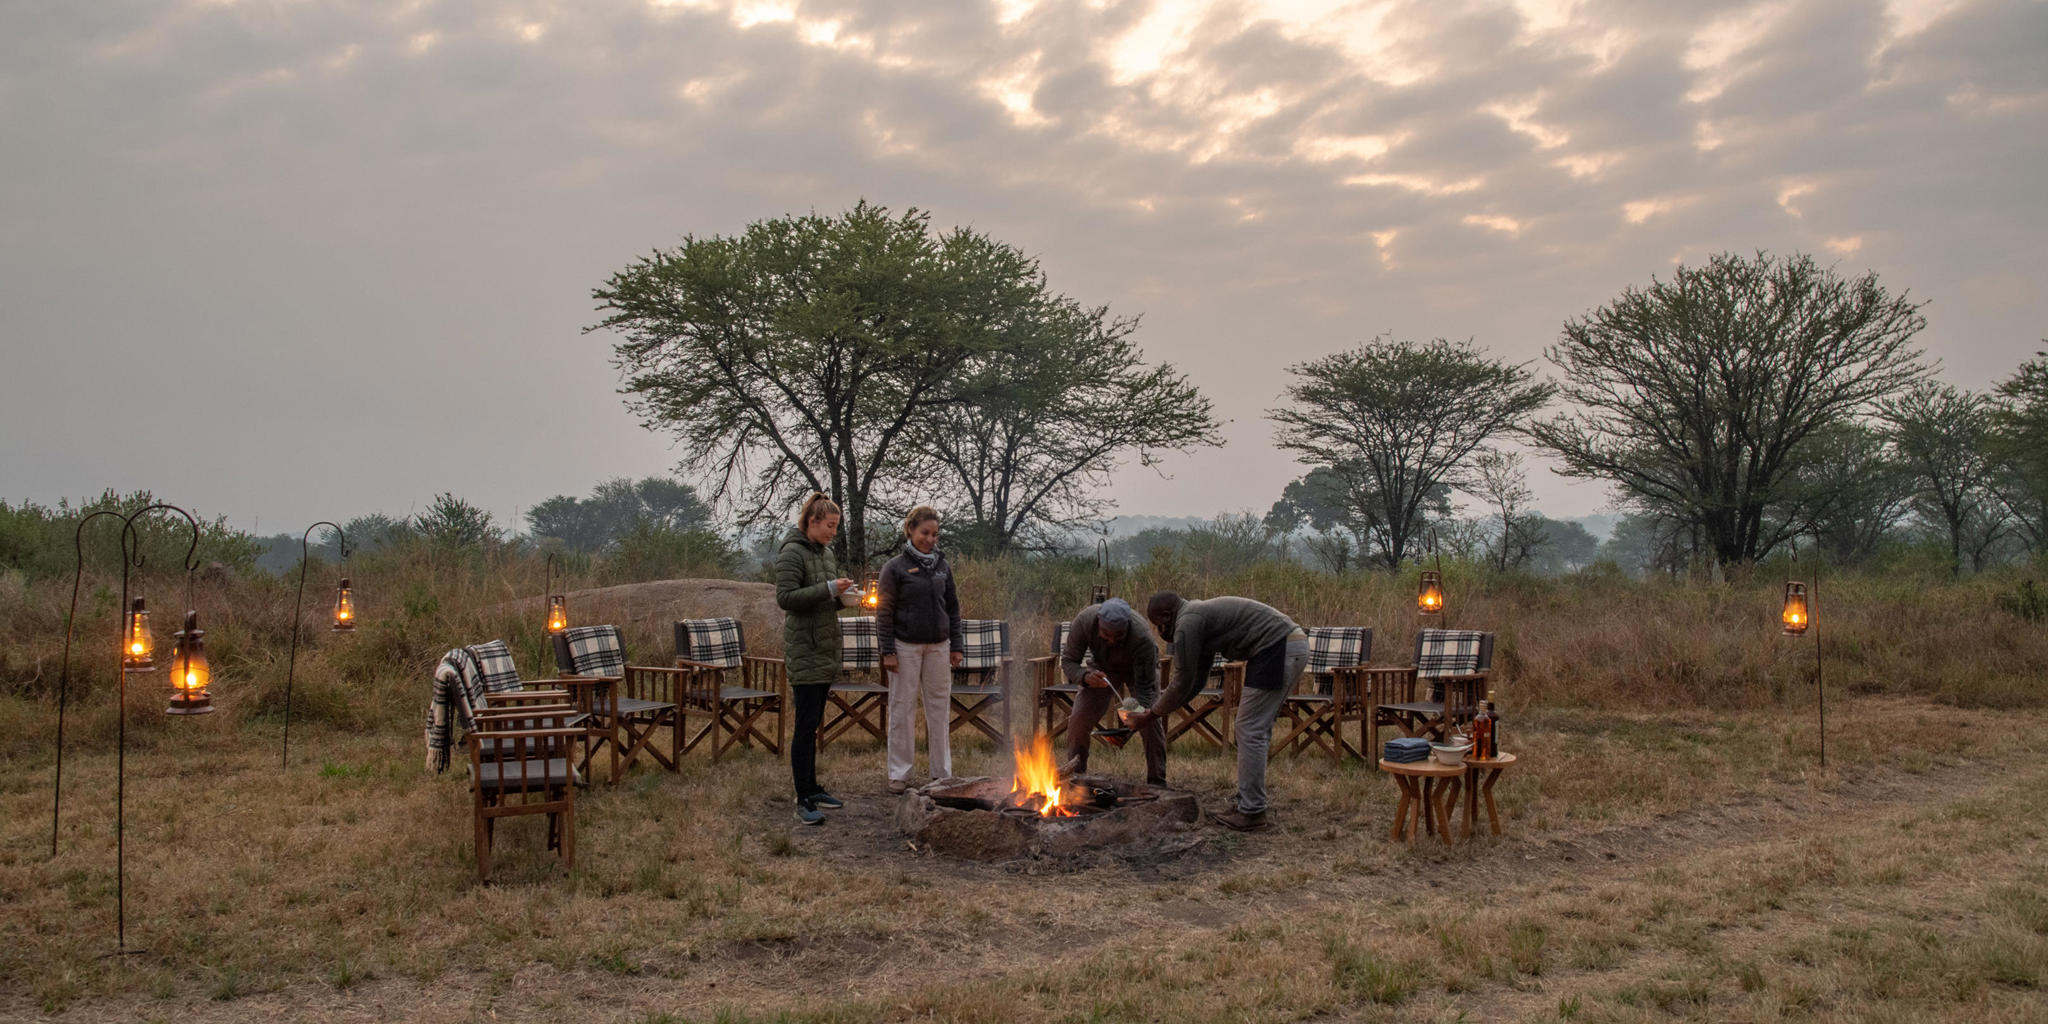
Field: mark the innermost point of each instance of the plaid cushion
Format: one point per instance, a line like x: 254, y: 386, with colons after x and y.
x: 594, y: 650
x: 860, y: 643
x: 985, y: 643
x: 463, y: 682
x: 1331, y: 647
x: 1444, y: 652
x: 711, y: 641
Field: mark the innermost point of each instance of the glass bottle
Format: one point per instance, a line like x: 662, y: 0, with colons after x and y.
x: 1482, y: 731
x: 1493, y: 734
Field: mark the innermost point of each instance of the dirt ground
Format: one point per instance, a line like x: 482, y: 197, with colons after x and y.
x: 1309, y: 869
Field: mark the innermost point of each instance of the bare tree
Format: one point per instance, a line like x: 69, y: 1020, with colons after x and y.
x: 1500, y: 481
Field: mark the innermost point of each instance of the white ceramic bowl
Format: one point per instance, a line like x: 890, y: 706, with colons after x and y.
x: 1450, y: 754
x: 850, y: 597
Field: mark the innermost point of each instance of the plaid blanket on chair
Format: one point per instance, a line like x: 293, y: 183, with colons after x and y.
x: 594, y: 650
x: 1447, y: 652
x: 860, y: 643
x: 463, y: 682
x: 984, y: 644
x: 715, y: 642
x: 1334, y: 647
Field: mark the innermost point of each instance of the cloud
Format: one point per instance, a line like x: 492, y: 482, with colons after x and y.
x: 307, y: 209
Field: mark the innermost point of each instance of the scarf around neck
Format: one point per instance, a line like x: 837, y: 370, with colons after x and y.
x: 927, y: 561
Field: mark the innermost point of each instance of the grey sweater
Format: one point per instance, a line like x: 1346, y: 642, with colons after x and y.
x: 1235, y: 627
x: 1132, y: 664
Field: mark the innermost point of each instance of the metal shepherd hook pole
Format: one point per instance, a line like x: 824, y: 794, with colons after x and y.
x: 131, y: 558
x: 292, y: 666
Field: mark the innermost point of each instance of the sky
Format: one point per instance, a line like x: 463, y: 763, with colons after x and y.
x: 285, y: 260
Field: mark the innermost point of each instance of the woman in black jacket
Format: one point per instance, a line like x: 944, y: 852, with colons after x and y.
x: 918, y: 618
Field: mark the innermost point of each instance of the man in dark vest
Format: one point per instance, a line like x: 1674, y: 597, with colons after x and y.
x: 1275, y: 653
x: 1106, y: 645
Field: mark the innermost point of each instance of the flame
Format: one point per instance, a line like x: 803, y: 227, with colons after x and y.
x: 1038, y: 779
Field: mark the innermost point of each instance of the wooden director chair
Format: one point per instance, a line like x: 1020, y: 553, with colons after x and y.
x: 982, y: 682
x: 1331, y: 694
x: 734, y: 691
x: 860, y: 698
x: 626, y: 703
x: 1453, y: 664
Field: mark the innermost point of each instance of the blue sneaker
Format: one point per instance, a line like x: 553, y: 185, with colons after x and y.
x: 808, y: 815
x: 826, y: 802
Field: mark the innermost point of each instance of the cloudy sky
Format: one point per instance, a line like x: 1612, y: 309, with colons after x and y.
x: 288, y: 260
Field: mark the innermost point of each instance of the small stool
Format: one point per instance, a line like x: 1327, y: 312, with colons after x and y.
x: 1419, y: 810
x: 1491, y: 768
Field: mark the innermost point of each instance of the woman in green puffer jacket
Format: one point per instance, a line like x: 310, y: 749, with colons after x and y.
x: 807, y: 588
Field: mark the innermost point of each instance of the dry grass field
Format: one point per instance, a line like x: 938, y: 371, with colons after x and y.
x: 1672, y: 850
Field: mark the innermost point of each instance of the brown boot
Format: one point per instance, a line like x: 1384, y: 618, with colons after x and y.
x: 1240, y: 821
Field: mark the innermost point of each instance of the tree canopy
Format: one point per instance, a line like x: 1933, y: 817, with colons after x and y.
x: 1694, y: 395
x: 1393, y: 423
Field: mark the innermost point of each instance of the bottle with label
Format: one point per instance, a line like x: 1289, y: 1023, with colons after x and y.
x: 1482, y: 732
x: 1493, y: 734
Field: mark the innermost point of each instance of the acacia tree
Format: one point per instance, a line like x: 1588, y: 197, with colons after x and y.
x: 1942, y: 434
x: 1058, y: 410
x: 796, y: 355
x: 2019, y: 447
x: 1695, y: 394
x: 1852, y: 488
x: 1394, y: 421
x: 1499, y: 480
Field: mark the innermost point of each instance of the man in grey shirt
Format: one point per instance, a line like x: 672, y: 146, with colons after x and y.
x: 1275, y: 653
x: 1106, y: 645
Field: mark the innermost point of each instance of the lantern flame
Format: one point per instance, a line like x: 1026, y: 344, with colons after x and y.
x: 1037, y: 780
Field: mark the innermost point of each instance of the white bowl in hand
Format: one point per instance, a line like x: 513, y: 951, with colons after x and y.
x: 850, y: 597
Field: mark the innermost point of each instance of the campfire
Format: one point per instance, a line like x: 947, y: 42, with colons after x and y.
x: 1036, y: 781
x: 1035, y: 814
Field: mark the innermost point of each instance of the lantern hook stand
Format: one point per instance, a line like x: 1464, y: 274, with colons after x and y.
x: 1819, y: 680
x: 1099, y: 592
x: 292, y: 665
x: 131, y: 558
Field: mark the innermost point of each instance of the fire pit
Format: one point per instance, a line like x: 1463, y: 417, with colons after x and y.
x: 1036, y: 814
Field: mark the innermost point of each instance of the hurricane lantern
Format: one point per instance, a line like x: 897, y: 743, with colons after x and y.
x: 1429, y: 598
x: 135, y: 653
x: 558, y: 613
x: 189, y: 672
x: 344, y: 608
x: 871, y: 591
x: 1795, y: 616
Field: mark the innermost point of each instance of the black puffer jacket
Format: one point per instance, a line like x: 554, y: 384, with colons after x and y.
x: 917, y: 607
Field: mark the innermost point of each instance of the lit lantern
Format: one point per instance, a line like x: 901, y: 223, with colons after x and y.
x: 1429, y: 599
x: 1098, y: 593
x: 189, y: 672
x: 135, y: 652
x: 871, y: 591
x: 1795, y: 616
x: 558, y: 613
x: 344, y: 608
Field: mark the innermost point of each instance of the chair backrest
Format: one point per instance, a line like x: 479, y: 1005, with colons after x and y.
x: 590, y: 651
x: 1444, y: 652
x: 984, y: 645
x: 1059, y: 637
x: 490, y: 670
x: 716, y: 642
x: 860, y: 644
x: 1335, y: 647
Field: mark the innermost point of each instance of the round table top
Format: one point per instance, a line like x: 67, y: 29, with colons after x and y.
x: 1429, y: 768
x: 1491, y: 762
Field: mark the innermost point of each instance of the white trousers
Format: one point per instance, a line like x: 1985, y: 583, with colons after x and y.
x: 924, y: 675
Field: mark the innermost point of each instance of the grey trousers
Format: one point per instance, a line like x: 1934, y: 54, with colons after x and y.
x: 1256, y: 710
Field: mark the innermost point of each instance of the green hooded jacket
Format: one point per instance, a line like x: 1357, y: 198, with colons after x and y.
x: 804, y: 571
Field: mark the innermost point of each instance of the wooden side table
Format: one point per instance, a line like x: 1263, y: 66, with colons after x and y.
x: 1474, y: 787
x: 1420, y: 796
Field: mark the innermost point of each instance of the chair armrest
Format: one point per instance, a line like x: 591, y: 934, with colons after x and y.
x: 1386, y: 684
x: 656, y: 682
x: 1044, y: 670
